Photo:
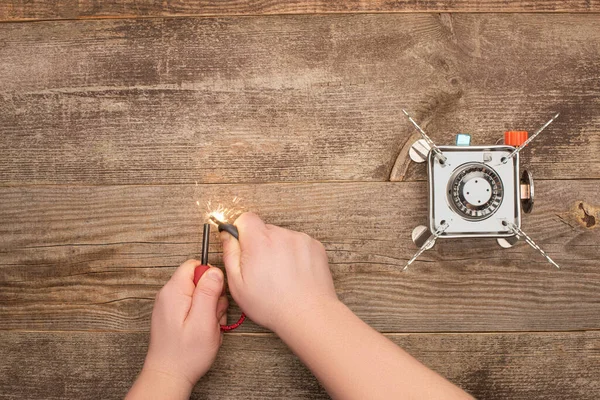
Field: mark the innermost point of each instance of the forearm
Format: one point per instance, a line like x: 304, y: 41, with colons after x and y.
x: 353, y: 361
x: 159, y: 386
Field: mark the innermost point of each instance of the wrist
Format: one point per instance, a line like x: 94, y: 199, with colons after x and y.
x: 308, y: 317
x: 166, y: 383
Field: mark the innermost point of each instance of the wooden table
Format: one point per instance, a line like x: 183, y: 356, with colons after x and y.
x: 112, y: 127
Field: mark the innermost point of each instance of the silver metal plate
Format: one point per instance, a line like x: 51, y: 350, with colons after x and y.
x: 440, y: 179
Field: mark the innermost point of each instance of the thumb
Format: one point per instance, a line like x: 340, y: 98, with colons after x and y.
x: 232, y: 253
x: 206, y: 296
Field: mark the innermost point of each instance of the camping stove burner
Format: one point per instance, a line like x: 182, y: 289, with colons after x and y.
x: 469, y: 184
x: 475, y: 191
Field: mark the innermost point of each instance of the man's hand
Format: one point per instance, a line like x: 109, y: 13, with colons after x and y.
x: 185, y: 335
x: 275, y: 274
x: 281, y: 279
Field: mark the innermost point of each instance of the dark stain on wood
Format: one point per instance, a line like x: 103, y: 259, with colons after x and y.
x: 588, y: 218
x: 580, y: 215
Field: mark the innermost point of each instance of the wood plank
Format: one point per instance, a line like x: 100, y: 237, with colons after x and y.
x: 69, y: 365
x: 290, y: 98
x: 19, y: 10
x: 93, y: 258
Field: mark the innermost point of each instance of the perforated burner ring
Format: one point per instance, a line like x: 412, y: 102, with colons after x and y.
x: 475, y: 191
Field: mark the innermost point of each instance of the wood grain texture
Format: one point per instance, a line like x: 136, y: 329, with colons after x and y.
x: 77, y: 365
x: 93, y: 258
x: 19, y: 10
x: 290, y: 98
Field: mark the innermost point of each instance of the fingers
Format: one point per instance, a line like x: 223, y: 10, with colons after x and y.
x: 222, y: 306
x: 251, y: 229
x: 183, y: 277
x: 185, y: 270
x: 252, y: 232
x: 206, y: 298
x: 232, y: 253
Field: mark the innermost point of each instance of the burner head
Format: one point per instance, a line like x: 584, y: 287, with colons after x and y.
x: 475, y: 191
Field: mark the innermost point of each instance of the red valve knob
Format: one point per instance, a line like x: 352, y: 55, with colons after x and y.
x: 515, y: 138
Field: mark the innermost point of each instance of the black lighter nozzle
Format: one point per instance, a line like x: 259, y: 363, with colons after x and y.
x: 231, y: 229
x: 205, y: 241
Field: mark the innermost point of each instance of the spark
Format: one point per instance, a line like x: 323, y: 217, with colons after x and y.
x: 216, y: 218
x: 220, y: 214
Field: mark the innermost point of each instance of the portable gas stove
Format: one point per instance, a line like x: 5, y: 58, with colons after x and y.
x: 475, y: 191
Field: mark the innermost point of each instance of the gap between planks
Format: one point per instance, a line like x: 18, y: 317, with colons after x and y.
x: 291, y: 14
x: 270, y: 183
